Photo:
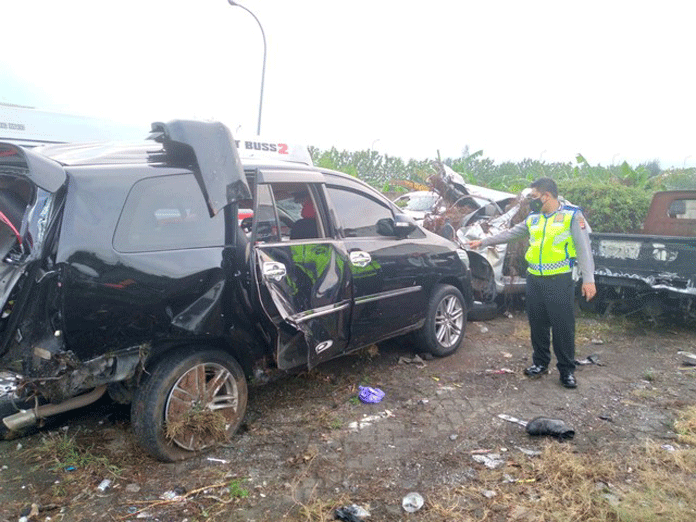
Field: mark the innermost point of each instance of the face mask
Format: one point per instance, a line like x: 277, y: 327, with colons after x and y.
x: 536, y: 204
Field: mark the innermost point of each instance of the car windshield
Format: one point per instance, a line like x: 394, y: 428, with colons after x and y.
x: 421, y: 203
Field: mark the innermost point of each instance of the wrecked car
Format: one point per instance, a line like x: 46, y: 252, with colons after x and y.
x: 652, y: 272
x: 167, y: 273
x: 473, y: 212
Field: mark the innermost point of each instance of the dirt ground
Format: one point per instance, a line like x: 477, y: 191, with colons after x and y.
x: 308, y: 445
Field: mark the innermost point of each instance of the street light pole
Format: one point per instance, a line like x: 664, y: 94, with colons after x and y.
x: 263, y: 69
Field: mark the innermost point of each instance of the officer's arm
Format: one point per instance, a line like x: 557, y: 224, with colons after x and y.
x: 519, y: 231
x: 580, y: 231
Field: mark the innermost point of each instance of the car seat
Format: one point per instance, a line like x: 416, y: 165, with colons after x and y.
x: 305, y: 228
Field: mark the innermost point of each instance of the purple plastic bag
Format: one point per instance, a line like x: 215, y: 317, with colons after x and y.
x: 370, y: 395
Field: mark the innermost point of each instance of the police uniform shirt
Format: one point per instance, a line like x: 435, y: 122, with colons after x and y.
x: 579, y: 229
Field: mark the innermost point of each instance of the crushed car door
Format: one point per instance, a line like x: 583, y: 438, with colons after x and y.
x: 304, y: 272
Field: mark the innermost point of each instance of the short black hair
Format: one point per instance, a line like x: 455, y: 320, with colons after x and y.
x: 546, y: 185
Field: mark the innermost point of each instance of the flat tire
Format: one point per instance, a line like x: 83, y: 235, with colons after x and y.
x: 190, y: 402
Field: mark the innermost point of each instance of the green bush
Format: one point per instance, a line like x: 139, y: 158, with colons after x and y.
x: 608, y: 206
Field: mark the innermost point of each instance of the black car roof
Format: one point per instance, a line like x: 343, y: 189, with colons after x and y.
x: 105, y: 153
x: 135, y: 153
x: 146, y: 152
x: 153, y: 153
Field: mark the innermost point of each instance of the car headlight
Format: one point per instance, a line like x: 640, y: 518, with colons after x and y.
x: 464, y: 257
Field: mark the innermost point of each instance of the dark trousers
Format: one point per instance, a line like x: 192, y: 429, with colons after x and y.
x: 550, y: 310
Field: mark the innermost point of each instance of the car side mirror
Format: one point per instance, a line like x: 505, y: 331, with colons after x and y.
x: 403, y: 225
x: 385, y: 227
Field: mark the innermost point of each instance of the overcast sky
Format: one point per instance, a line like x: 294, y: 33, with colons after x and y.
x: 613, y: 80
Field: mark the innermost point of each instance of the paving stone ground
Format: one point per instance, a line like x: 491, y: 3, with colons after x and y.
x: 307, y: 437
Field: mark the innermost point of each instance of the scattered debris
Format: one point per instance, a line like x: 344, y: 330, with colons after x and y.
x: 483, y: 329
x: 132, y: 488
x: 597, y: 341
x: 491, y: 461
x: 479, y: 451
x: 512, y: 419
x: 488, y: 493
x: 221, y: 461
x: 179, y: 494
x: 352, y: 513
x: 420, y: 363
x: 606, y: 418
x: 543, y: 426
x: 668, y: 447
x: 29, y: 512
x: 552, y: 427
x: 104, y: 485
x: 199, y: 422
x: 368, y: 420
x: 454, y: 436
x: 412, y: 502
x: 174, y: 495
x: 590, y: 359
x: 688, y: 358
x: 500, y: 371
x: 370, y: 395
x: 529, y: 452
x: 508, y: 314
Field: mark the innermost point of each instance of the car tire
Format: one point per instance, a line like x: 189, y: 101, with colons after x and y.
x: 183, y: 388
x: 445, y: 322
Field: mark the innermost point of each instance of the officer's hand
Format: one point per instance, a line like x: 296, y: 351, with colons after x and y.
x: 473, y: 245
x: 589, y: 290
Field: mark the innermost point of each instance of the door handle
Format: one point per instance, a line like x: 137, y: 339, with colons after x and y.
x: 360, y: 258
x: 273, y: 270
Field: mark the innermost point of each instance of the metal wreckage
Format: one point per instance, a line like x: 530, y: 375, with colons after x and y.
x: 467, y: 212
x: 652, y: 273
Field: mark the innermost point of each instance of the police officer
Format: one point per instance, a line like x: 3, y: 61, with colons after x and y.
x: 558, y: 238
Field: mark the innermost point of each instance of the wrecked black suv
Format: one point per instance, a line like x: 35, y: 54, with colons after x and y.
x: 129, y: 270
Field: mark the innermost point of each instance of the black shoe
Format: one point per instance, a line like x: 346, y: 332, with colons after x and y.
x: 568, y: 380
x: 535, y: 371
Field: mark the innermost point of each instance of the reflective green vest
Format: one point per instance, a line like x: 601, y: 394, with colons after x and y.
x: 551, y: 246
